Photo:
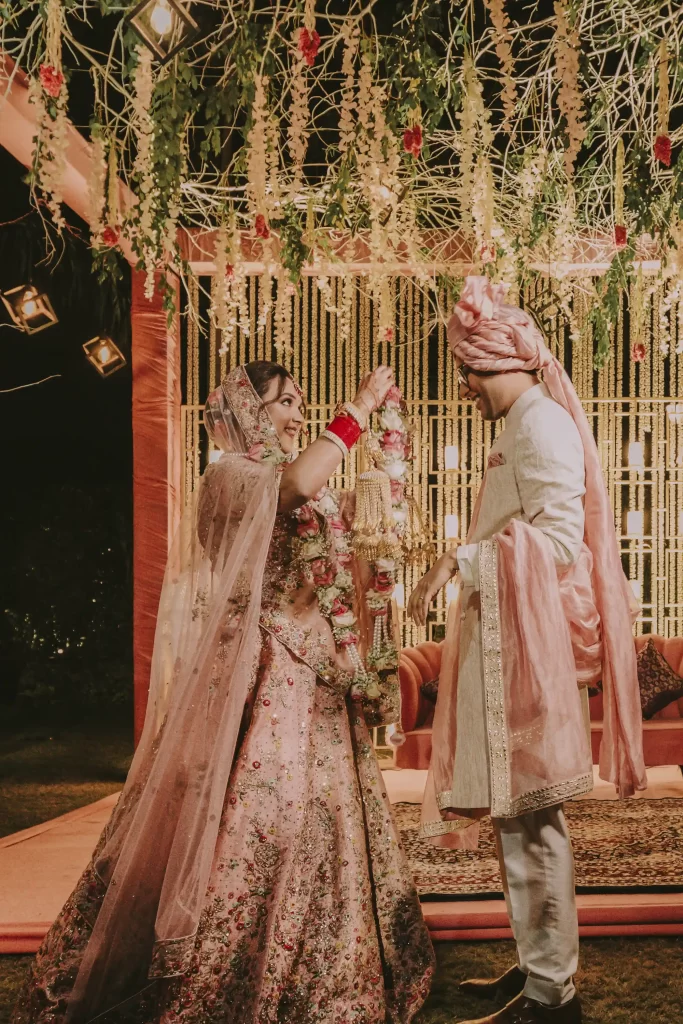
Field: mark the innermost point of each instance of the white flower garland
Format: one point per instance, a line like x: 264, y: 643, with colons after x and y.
x: 96, y: 188
x: 347, y: 126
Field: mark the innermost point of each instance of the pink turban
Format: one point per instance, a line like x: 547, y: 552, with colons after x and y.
x: 487, y: 334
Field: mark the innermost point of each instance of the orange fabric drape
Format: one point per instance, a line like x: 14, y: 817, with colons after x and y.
x: 156, y: 469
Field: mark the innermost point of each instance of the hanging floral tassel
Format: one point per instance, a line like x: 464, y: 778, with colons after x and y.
x: 49, y: 95
x: 569, y: 98
x: 97, y: 184
x: 662, y: 147
x: 620, y: 233
x: 501, y: 24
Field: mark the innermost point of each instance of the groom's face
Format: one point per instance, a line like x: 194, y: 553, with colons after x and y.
x: 488, y: 392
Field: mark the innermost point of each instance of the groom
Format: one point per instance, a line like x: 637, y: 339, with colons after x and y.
x: 544, y: 610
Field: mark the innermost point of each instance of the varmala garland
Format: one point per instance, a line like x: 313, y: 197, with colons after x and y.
x: 378, y: 532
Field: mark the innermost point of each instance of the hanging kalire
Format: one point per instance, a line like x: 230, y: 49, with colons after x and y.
x: 164, y: 26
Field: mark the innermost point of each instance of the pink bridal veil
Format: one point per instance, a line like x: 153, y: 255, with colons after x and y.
x: 152, y: 866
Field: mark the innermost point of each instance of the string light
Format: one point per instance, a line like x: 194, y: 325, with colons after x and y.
x: 30, y: 309
x: 164, y: 26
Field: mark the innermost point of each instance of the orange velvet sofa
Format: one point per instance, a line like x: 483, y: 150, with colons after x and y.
x: 662, y: 734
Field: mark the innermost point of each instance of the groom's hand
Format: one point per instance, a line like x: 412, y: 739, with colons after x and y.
x: 430, y: 585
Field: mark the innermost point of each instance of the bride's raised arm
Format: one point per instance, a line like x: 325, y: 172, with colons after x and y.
x: 303, y: 478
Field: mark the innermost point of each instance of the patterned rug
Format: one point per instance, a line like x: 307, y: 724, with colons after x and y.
x: 634, y: 846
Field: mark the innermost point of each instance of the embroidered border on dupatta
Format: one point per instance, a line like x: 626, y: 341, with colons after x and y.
x: 494, y: 691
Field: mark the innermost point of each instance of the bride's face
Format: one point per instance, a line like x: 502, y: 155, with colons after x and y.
x: 286, y: 411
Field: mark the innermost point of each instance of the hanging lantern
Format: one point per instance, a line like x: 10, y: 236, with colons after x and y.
x: 165, y: 26
x: 104, y: 355
x: 30, y: 309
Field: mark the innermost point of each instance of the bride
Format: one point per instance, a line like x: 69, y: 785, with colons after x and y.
x: 250, y: 872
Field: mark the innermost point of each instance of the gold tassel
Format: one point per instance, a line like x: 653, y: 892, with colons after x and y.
x: 373, y: 534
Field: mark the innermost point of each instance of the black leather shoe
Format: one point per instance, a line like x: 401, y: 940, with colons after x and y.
x: 501, y: 989
x: 527, y: 1011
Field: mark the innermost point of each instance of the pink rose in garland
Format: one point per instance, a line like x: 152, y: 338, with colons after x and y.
x: 412, y: 140
x: 663, y: 150
x: 51, y: 80
x: 322, y: 571
x: 309, y: 43
x: 638, y: 353
x: 393, y: 397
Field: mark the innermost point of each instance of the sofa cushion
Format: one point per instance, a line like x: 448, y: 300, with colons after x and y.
x: 659, y: 684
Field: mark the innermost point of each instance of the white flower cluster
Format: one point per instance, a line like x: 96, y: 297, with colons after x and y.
x: 257, y: 156
x: 96, y: 189
x: 475, y: 133
x: 143, y: 167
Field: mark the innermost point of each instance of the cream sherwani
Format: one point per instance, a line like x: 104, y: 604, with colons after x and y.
x: 536, y: 474
x: 539, y: 479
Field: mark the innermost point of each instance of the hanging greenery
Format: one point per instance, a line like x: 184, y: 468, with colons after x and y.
x: 402, y: 125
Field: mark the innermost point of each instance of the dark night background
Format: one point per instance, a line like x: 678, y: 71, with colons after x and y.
x: 66, y: 513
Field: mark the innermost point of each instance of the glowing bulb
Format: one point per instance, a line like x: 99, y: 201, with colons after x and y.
x: 104, y: 354
x: 452, y: 456
x: 400, y: 595
x: 161, y: 18
x: 452, y: 527
x: 29, y: 306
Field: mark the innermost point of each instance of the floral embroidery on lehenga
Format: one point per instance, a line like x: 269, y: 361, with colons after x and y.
x: 311, y: 916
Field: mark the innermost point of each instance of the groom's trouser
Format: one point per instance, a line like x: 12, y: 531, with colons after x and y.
x: 537, y: 867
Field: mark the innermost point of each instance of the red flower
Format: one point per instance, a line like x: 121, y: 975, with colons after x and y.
x: 638, y: 353
x: 663, y: 150
x: 620, y: 236
x: 388, y: 333
x: 309, y: 43
x: 229, y: 272
x: 51, y: 80
x: 308, y: 528
x: 382, y: 583
x: 392, y: 437
x: 110, y: 237
x: 412, y: 140
x: 396, y: 490
x: 338, y: 607
x: 261, y: 226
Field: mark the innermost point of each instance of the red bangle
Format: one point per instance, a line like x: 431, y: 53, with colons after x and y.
x: 345, y: 429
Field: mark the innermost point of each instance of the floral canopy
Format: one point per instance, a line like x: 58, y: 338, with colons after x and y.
x: 512, y: 138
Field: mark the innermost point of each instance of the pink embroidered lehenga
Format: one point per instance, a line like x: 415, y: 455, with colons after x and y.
x: 251, y: 872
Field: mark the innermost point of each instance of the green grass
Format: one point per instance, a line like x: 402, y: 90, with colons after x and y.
x: 622, y: 981
x: 46, y: 772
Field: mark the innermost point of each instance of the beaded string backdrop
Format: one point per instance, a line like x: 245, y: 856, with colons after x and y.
x: 631, y: 401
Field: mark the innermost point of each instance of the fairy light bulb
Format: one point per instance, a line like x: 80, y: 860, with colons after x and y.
x: 29, y: 306
x: 104, y: 355
x: 161, y: 18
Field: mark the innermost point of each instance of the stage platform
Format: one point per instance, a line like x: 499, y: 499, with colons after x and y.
x: 40, y: 866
